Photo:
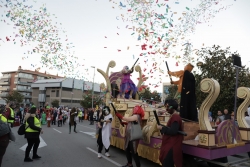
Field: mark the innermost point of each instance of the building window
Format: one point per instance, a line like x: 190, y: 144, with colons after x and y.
x: 57, y: 93
x: 67, y: 89
x: 66, y: 100
x: 42, y: 91
x: 24, y: 75
x: 69, y: 101
x: 40, y: 78
x: 47, y: 95
x: 53, y: 91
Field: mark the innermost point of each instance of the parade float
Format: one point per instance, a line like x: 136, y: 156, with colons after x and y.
x: 202, y: 142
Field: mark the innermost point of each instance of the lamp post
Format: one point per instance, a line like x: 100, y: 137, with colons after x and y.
x: 72, y: 92
x: 93, y: 85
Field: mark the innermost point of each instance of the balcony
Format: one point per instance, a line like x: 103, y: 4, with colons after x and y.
x: 3, y: 94
x: 6, y: 88
x: 6, y: 76
x: 20, y: 83
x: 4, y: 83
x: 22, y: 90
x: 26, y: 77
x: 27, y: 96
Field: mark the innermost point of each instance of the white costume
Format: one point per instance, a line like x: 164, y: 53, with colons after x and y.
x: 106, y: 132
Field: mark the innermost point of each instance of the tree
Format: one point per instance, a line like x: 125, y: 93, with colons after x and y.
x: 86, y: 101
x: 172, y: 91
x: 15, y: 97
x: 217, y: 64
x: 55, y: 103
x: 150, y: 96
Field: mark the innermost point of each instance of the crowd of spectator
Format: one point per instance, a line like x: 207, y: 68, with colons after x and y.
x: 226, y: 115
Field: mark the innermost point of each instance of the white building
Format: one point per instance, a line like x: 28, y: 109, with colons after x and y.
x: 67, y: 91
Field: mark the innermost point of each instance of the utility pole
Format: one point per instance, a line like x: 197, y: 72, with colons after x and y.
x: 93, y: 85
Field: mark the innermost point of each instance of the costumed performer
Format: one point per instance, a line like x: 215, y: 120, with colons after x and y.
x: 49, y: 117
x: 186, y: 87
x: 104, y: 125
x: 44, y: 122
x: 171, y: 148
x: 127, y: 87
x: 131, y: 146
x: 72, y: 119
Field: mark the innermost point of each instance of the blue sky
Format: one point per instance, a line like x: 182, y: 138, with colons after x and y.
x: 88, y: 22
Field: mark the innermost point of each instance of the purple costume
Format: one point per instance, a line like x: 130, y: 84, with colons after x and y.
x: 127, y: 85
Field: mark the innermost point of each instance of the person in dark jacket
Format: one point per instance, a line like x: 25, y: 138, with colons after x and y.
x: 54, y: 118
x: 72, y: 119
x: 32, y: 133
x: 91, y: 117
x: 227, y: 115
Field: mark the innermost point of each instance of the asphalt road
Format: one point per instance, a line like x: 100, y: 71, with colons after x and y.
x: 66, y: 150
x: 58, y: 148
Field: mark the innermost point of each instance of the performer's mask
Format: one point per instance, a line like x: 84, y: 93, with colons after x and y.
x: 106, y: 110
x: 125, y: 69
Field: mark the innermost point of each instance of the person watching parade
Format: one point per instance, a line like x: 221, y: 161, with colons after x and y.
x: 171, y: 148
x: 10, y: 114
x: 4, y: 137
x: 80, y: 115
x: 72, y: 119
x: 32, y: 105
x: 32, y: 133
x: 47, y: 107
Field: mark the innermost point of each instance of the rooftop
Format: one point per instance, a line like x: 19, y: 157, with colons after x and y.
x: 36, y: 72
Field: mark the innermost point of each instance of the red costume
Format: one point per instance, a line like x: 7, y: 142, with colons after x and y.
x: 172, y: 141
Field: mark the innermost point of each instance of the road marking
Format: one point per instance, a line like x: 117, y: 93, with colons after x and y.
x: 88, y: 127
x: 57, y: 130
x: 93, y: 134
x: 103, y: 156
x: 42, y: 144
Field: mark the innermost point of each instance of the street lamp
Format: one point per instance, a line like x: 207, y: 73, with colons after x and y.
x: 93, y: 85
x: 72, y: 92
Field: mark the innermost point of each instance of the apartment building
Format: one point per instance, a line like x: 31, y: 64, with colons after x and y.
x: 68, y: 91
x: 21, y: 80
